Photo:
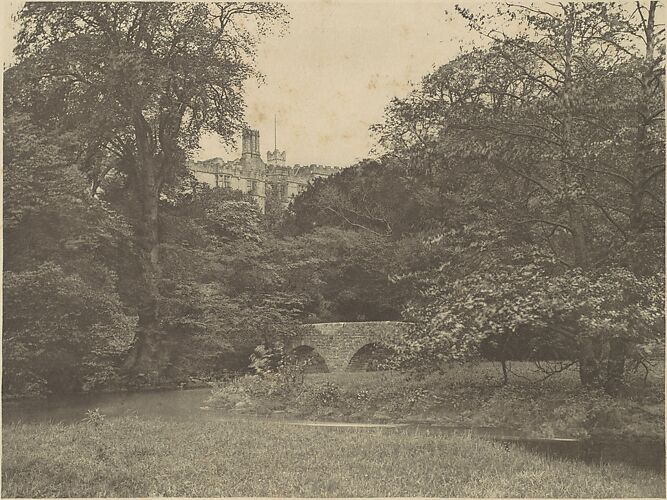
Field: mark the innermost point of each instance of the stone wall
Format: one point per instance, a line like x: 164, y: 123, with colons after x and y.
x: 237, y: 174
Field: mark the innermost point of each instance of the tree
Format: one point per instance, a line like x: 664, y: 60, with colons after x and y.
x: 581, y: 57
x: 644, y: 175
x: 219, y: 290
x: 377, y: 197
x: 534, y: 138
x: 515, y: 305
x: 61, y: 333
x: 139, y: 82
x: 64, y: 325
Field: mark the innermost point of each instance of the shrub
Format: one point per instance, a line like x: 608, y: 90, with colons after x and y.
x: 328, y: 394
x: 279, y: 385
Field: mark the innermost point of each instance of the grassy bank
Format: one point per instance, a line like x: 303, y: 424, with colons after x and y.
x: 129, y: 457
x: 468, y: 395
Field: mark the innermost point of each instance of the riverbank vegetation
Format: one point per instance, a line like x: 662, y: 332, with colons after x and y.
x: 468, y: 395
x: 133, y: 458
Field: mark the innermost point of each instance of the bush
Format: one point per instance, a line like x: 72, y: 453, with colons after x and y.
x: 60, y: 333
x: 251, y: 390
x: 328, y: 394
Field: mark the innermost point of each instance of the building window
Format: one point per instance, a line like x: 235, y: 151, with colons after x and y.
x: 252, y: 186
x: 226, y: 181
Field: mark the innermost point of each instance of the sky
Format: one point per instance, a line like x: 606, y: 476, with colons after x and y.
x: 332, y: 74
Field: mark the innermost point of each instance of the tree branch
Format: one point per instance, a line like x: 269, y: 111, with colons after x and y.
x: 548, y: 222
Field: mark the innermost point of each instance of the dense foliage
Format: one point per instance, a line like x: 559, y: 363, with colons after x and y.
x: 138, y: 83
x: 516, y: 212
x: 548, y: 146
x: 372, y: 196
x: 64, y: 325
x: 466, y: 395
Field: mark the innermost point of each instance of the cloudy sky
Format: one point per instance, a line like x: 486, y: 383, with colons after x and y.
x: 331, y: 75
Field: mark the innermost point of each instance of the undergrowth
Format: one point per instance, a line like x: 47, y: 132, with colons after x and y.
x: 470, y: 395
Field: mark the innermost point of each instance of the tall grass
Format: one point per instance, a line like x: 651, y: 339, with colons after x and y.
x: 129, y: 457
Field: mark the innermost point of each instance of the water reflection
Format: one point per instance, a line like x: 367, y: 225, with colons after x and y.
x: 166, y: 404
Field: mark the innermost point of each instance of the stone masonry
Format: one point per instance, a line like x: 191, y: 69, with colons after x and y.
x: 337, y: 343
x: 250, y: 174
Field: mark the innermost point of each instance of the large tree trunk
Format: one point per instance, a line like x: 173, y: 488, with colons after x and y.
x: 589, y: 346
x: 615, y: 366
x: 590, y: 370
x: 149, y: 356
x: 644, y: 155
x: 589, y: 367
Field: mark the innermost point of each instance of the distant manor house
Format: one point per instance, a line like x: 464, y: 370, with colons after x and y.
x: 250, y: 174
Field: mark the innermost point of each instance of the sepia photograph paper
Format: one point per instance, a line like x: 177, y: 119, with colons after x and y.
x: 333, y: 249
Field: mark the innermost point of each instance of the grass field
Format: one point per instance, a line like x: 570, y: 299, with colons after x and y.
x: 130, y: 457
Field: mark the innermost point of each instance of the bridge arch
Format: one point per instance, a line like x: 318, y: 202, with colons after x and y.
x: 338, y: 343
x: 305, y: 353
x: 368, y: 357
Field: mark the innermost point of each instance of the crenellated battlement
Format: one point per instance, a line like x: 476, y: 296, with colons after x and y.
x: 276, y: 157
x: 304, y: 170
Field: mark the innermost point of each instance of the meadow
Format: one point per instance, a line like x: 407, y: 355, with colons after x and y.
x: 133, y: 457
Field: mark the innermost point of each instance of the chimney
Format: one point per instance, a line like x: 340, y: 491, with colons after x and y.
x: 250, y: 144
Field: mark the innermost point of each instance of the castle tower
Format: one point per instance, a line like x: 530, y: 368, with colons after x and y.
x: 276, y: 158
x: 250, y: 145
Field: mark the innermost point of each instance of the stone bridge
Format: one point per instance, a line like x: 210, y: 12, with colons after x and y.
x: 345, y: 346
